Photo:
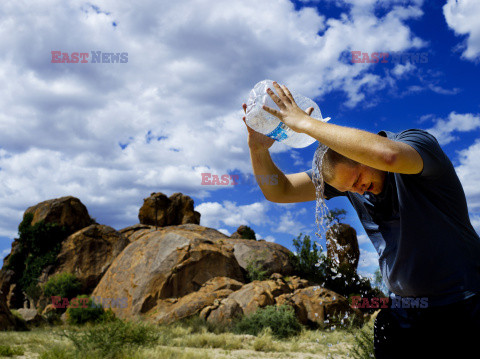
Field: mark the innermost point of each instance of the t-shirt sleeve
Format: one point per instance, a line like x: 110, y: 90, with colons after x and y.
x: 328, y: 191
x: 435, y: 161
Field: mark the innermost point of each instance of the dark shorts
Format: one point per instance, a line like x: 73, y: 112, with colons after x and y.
x: 450, y: 331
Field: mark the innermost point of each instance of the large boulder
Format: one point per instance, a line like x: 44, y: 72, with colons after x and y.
x: 252, y: 296
x: 272, y: 257
x: 172, y: 309
x: 68, y: 212
x: 31, y: 317
x: 136, y: 231
x: 320, y: 307
x: 65, y: 211
x: 160, y: 210
x: 169, y: 263
x: 342, y: 245
x: 88, y: 254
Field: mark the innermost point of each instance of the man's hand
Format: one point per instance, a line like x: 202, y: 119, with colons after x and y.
x: 290, y: 114
x: 258, y: 141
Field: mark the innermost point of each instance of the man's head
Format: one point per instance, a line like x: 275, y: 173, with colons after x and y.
x: 347, y: 175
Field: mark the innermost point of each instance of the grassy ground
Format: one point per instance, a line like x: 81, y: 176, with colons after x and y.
x: 188, y: 340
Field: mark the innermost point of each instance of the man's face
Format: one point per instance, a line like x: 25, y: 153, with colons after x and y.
x: 359, y: 178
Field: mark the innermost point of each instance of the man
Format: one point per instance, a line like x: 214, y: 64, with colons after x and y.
x: 413, y: 208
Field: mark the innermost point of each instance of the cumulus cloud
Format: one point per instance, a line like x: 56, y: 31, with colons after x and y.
x: 112, y: 133
x: 462, y: 18
x: 214, y: 214
x: 444, y: 129
x: 469, y: 174
x: 367, y: 259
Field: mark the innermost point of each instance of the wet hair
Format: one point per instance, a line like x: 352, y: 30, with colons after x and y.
x: 330, y: 160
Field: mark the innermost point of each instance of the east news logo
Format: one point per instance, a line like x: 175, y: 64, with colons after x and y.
x: 98, y: 57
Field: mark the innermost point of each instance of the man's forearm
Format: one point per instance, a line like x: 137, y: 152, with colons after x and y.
x: 264, y: 167
x: 361, y: 146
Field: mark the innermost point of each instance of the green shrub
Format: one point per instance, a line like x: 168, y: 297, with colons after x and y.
x: 255, y: 271
x: 8, y: 351
x: 93, y: 313
x: 110, y: 339
x: 280, y: 319
x: 38, y: 247
x: 248, y: 233
x: 63, y: 285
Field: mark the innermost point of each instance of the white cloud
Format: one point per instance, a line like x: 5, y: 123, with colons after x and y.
x: 363, y: 239
x: 225, y: 231
x: 367, y: 259
x: 401, y: 70
x: 462, y: 17
x: 214, y: 214
x: 267, y: 238
x: 444, y: 129
x: 469, y: 174
x: 291, y: 222
x: 110, y: 134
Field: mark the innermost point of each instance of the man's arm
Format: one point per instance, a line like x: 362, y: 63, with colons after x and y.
x: 289, y: 188
x: 370, y: 149
x: 361, y: 146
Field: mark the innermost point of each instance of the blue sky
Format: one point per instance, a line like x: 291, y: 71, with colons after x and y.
x: 112, y: 133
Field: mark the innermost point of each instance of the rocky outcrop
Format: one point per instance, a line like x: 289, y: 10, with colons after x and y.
x: 136, y: 231
x: 318, y: 307
x: 169, y: 263
x: 65, y: 211
x: 173, y: 309
x: 169, y: 267
x: 244, y: 232
x: 88, y: 254
x: 272, y: 257
x: 8, y: 321
x: 250, y: 297
x: 31, y: 317
x: 68, y: 212
x: 161, y: 271
x: 342, y: 245
x: 160, y: 210
x: 13, y: 295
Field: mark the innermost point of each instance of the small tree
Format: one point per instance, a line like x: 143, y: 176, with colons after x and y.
x: 308, y: 259
x: 64, y: 285
x: 247, y: 233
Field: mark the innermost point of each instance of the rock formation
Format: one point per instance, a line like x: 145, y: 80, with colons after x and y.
x: 177, y: 269
x: 8, y: 321
x: 65, y: 211
x: 160, y: 210
x: 342, y: 245
x: 88, y: 253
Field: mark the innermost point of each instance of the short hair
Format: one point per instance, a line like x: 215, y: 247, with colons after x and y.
x: 330, y: 160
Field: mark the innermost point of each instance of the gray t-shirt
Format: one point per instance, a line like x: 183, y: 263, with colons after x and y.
x: 420, y: 227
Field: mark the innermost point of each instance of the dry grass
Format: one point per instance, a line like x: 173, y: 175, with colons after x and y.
x: 184, y: 342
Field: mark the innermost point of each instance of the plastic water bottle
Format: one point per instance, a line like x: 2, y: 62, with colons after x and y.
x: 263, y: 122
